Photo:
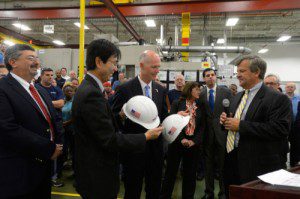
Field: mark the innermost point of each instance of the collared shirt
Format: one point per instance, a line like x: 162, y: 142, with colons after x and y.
x: 252, y: 92
x: 26, y: 85
x: 97, y: 80
x: 143, y: 85
x: 66, y: 77
x: 215, y: 92
x: 295, y: 99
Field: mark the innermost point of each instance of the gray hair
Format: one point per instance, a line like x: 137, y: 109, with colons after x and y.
x: 273, y: 75
x: 255, y: 64
x: 14, y: 52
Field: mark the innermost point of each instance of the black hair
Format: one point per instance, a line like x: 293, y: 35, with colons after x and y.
x: 103, y: 49
x: 187, y: 90
x: 14, y: 52
x: 207, y: 70
x: 45, y: 70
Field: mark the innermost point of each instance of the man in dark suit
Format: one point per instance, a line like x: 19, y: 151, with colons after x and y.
x: 148, y: 163
x: 258, y: 131
x: 97, y: 140
x: 29, y: 136
x: 214, y: 137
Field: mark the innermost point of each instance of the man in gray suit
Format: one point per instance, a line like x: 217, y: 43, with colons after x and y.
x: 214, y: 137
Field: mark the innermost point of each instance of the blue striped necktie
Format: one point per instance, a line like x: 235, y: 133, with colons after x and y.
x: 147, y: 91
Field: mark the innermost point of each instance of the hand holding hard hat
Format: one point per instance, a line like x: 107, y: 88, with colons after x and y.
x: 173, y: 125
x: 142, y: 110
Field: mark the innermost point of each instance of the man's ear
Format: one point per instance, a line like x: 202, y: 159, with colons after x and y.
x: 98, y: 62
x: 12, y: 63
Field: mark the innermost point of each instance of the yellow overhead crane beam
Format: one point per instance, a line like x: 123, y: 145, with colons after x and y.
x: 95, y: 3
x: 18, y: 41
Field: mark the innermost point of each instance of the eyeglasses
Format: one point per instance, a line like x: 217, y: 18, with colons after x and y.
x: 32, y: 58
x: 115, y: 63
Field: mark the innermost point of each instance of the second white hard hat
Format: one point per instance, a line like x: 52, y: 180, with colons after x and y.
x: 142, y: 110
x: 173, y: 125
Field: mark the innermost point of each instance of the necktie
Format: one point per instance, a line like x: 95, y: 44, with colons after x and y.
x: 211, y: 99
x: 38, y: 99
x: 147, y: 91
x: 238, y: 113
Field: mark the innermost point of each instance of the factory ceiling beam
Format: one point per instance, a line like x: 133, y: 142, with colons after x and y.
x: 113, y: 8
x: 166, y: 8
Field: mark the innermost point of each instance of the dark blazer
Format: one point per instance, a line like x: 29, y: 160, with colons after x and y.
x: 131, y: 89
x: 213, y: 127
x: 180, y: 105
x: 25, y: 146
x: 263, y: 133
x: 98, y: 142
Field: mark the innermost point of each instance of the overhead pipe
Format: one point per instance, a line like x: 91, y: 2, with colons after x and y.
x: 176, y: 36
x: 161, y: 34
x: 216, y: 49
x: 111, y: 6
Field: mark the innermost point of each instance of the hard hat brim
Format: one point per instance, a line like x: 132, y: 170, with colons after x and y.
x: 148, y: 126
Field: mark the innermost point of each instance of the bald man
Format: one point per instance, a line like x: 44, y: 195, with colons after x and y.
x: 175, y: 93
x: 146, y: 166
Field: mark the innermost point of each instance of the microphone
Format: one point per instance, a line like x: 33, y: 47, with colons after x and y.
x: 226, y: 104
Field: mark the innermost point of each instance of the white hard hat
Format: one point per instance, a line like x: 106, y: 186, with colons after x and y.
x: 173, y: 125
x: 142, y: 110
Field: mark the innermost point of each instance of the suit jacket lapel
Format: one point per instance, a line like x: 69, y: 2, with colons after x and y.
x: 255, y: 103
x: 137, y: 88
x: 218, y: 102
x: 42, y: 94
x: 19, y: 89
x: 155, y: 93
x: 234, y: 105
x: 209, y: 111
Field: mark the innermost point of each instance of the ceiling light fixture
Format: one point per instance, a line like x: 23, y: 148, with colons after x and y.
x: 263, y: 50
x: 78, y: 25
x: 9, y: 43
x: 284, y: 38
x: 58, y: 42
x: 232, y: 21
x: 220, y: 41
x: 21, y: 26
x: 150, y: 23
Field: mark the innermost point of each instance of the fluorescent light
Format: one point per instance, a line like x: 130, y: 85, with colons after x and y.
x: 60, y: 43
x: 21, y: 26
x: 78, y: 25
x: 232, y: 21
x: 284, y: 38
x: 263, y: 50
x: 150, y: 23
x: 220, y: 41
x: 9, y: 43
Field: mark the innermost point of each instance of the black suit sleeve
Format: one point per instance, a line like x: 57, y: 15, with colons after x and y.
x: 200, y: 122
x: 119, y: 99
x: 165, y: 106
x: 18, y: 138
x: 276, y: 127
x: 97, y: 115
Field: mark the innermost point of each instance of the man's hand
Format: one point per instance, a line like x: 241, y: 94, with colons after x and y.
x: 153, y: 134
x: 223, y: 118
x: 122, y: 115
x: 57, y: 152
x: 191, y: 143
x: 232, y: 124
x: 185, y: 143
x: 183, y: 113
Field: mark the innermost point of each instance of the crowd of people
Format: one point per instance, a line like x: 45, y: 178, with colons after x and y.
x: 52, y: 120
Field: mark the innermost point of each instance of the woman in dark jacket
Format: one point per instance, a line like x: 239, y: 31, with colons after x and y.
x: 186, y: 145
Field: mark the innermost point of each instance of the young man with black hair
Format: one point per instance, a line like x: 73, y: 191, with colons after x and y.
x: 97, y: 138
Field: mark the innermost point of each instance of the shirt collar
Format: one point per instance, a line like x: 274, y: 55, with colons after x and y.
x: 22, y: 81
x: 97, y: 80
x: 214, y: 88
x: 143, y: 84
x: 256, y: 87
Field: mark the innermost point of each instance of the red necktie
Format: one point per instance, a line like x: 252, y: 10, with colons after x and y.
x: 38, y: 99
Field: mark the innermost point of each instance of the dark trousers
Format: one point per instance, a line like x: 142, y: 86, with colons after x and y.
x: 214, y: 155
x: 231, y: 171
x: 189, y: 158
x: 147, y: 165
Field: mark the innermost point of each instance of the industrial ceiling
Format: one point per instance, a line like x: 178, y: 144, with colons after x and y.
x: 262, y: 26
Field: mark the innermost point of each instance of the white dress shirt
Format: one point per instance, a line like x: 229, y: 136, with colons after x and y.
x: 143, y: 85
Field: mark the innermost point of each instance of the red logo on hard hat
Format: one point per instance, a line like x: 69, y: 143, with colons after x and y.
x: 135, y: 113
x: 172, y: 131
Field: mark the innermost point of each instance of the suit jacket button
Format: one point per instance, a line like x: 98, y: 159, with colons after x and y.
x: 48, y: 130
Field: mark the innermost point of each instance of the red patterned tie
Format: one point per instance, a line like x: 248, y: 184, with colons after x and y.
x: 38, y: 99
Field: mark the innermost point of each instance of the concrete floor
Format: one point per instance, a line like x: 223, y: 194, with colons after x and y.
x: 68, y: 191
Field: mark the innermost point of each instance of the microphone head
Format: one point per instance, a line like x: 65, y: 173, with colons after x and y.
x: 226, y: 103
